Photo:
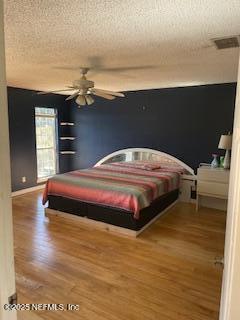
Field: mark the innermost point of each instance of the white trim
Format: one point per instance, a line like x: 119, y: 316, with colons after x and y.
x: 188, y: 177
x: 55, y: 137
x: 27, y: 190
x: 41, y: 115
x: 7, y: 272
x: 50, y: 213
x: 43, y: 179
x: 230, y: 308
x: 160, y: 153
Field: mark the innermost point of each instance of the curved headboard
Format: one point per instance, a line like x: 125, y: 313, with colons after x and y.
x: 151, y: 154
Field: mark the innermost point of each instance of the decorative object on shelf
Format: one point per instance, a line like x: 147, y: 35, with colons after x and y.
x: 225, y: 143
x: 221, y: 161
x: 84, y: 90
x: 215, y: 163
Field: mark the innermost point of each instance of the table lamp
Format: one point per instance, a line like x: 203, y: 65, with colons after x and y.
x: 225, y: 143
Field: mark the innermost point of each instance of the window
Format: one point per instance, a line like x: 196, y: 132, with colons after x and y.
x: 46, y: 138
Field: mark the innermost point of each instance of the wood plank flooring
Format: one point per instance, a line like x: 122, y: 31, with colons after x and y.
x: 168, y: 272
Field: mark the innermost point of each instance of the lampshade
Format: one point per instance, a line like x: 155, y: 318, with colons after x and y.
x: 225, y: 142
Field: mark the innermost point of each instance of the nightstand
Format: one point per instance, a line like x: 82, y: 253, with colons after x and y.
x: 212, y: 183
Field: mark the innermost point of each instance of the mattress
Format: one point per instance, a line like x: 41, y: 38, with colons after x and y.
x: 130, y: 187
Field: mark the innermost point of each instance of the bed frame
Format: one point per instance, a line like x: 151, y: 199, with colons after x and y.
x: 94, y: 224
x: 112, y: 219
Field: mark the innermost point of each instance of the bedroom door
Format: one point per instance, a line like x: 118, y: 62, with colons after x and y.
x: 7, y: 277
x: 230, y: 306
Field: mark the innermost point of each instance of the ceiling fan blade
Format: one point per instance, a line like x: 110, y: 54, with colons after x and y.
x: 81, y: 100
x: 72, y: 96
x: 113, y: 93
x: 103, y: 95
x: 89, y: 99
x: 127, y: 68
x: 69, y: 67
x: 71, y: 87
x: 95, y: 64
x: 46, y: 92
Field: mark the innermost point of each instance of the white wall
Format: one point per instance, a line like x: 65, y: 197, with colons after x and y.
x: 230, y: 304
x: 7, y: 280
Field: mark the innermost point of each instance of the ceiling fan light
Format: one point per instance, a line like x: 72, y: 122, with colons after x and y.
x: 81, y: 100
x: 89, y: 99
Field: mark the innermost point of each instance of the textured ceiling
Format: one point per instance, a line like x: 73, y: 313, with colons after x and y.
x: 171, y: 38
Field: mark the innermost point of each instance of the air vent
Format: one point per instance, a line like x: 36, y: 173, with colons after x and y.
x: 225, y: 43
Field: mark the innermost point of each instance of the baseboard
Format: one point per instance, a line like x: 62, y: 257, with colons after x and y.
x: 215, y: 203
x: 27, y: 190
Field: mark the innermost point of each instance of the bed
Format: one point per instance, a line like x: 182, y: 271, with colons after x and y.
x: 124, y: 196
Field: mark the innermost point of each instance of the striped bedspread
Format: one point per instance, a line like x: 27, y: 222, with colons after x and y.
x: 114, y: 185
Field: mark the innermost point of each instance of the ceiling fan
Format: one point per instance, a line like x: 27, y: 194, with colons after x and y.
x: 84, y: 91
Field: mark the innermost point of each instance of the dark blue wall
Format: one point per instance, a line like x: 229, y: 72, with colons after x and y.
x: 22, y: 133
x: 184, y: 122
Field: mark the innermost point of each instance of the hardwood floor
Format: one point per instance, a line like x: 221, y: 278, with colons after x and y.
x: 166, y: 273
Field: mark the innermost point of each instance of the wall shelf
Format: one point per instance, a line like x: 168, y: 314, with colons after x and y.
x: 67, y: 123
x: 67, y: 138
x: 67, y: 152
